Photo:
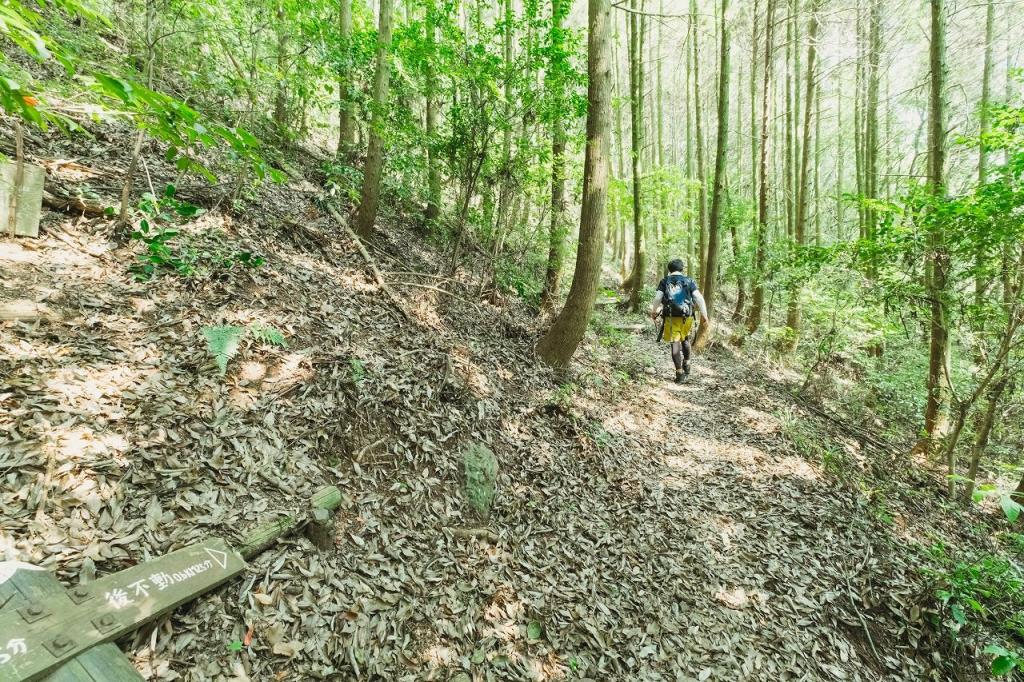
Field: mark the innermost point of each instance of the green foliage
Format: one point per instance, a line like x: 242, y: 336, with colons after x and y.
x: 1004, y: 661
x: 21, y: 24
x: 167, y: 249
x: 480, y: 467
x: 979, y: 595
x: 224, y: 342
x: 607, y: 334
x: 358, y: 370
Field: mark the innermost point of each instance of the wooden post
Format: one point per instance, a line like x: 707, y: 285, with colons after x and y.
x: 265, y: 535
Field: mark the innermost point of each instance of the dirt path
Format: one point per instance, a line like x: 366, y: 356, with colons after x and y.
x: 688, y: 544
x: 646, y: 531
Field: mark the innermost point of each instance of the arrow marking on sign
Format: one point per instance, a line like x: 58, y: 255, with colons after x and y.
x: 218, y: 556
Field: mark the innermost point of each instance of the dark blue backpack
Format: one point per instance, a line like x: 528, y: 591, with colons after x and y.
x: 678, y: 296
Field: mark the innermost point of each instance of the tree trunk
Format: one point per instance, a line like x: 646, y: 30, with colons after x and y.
x: 366, y: 214
x: 636, y: 73
x: 871, y: 126
x: 346, y: 117
x: 281, y: 91
x: 691, y: 222
x: 840, y: 157
x: 986, y: 85
x: 556, y: 235
x: 741, y: 295
x: 761, y: 225
x: 561, y: 341
x: 802, y: 188
x: 791, y: 77
x: 660, y: 120
x: 982, y: 433
x: 123, y: 218
x: 858, y: 127
x: 709, y: 287
x: 433, y: 210
x: 702, y: 194
x: 817, y: 167
x: 936, y: 418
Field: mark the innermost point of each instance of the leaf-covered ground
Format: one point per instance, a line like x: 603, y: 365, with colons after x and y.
x: 641, y: 530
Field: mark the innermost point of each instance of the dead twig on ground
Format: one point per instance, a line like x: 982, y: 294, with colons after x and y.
x: 397, y: 304
x: 864, y: 623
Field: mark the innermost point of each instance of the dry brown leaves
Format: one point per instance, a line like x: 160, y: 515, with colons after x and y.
x: 644, y: 531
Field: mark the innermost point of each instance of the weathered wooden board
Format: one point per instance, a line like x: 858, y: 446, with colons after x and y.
x: 52, y: 632
x: 30, y: 198
x: 23, y: 583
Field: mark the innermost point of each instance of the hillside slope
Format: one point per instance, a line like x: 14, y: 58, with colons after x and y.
x: 641, y: 530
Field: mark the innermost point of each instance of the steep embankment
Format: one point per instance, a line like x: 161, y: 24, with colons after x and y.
x: 641, y: 530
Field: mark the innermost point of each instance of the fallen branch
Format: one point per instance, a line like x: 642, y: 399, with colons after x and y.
x: 864, y: 623
x: 55, y: 199
x: 370, y: 263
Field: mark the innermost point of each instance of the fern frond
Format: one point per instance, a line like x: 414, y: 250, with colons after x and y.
x: 268, y: 334
x: 223, y: 343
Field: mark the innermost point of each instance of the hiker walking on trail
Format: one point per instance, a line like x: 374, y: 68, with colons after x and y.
x: 675, y: 301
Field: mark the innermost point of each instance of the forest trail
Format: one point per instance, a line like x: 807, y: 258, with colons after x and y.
x: 642, y: 530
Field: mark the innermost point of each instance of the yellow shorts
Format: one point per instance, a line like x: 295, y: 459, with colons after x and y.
x: 676, y: 329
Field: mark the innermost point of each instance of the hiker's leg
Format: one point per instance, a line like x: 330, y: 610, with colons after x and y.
x: 677, y: 354
x: 686, y: 354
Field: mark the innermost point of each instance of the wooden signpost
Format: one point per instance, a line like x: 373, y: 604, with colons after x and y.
x: 57, y: 634
x: 56, y: 628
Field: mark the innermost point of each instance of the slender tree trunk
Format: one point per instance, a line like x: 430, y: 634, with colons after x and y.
x: 619, y: 140
x: 817, y: 167
x: 366, y: 214
x: 433, y: 210
x: 662, y: 198
x: 858, y: 128
x: 788, y: 184
x: 802, y: 187
x: 840, y: 163
x: 709, y: 287
x: 346, y: 117
x: 980, y: 282
x: 691, y: 220
x: 556, y: 236
x: 702, y: 193
x: 123, y: 218
x: 505, y: 171
x: 983, y: 431
x: 936, y: 418
x: 741, y: 294
x: 761, y: 226
x: 871, y: 125
x: 636, y: 29
x: 281, y: 91
x: 558, y: 345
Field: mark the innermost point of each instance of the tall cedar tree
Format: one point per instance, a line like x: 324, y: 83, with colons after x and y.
x: 936, y: 417
x: 561, y: 341
x: 366, y: 214
x: 710, y: 270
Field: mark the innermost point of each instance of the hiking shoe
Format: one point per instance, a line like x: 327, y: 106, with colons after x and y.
x: 681, y: 377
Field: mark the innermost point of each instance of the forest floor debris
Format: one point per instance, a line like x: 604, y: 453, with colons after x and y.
x: 640, y: 531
